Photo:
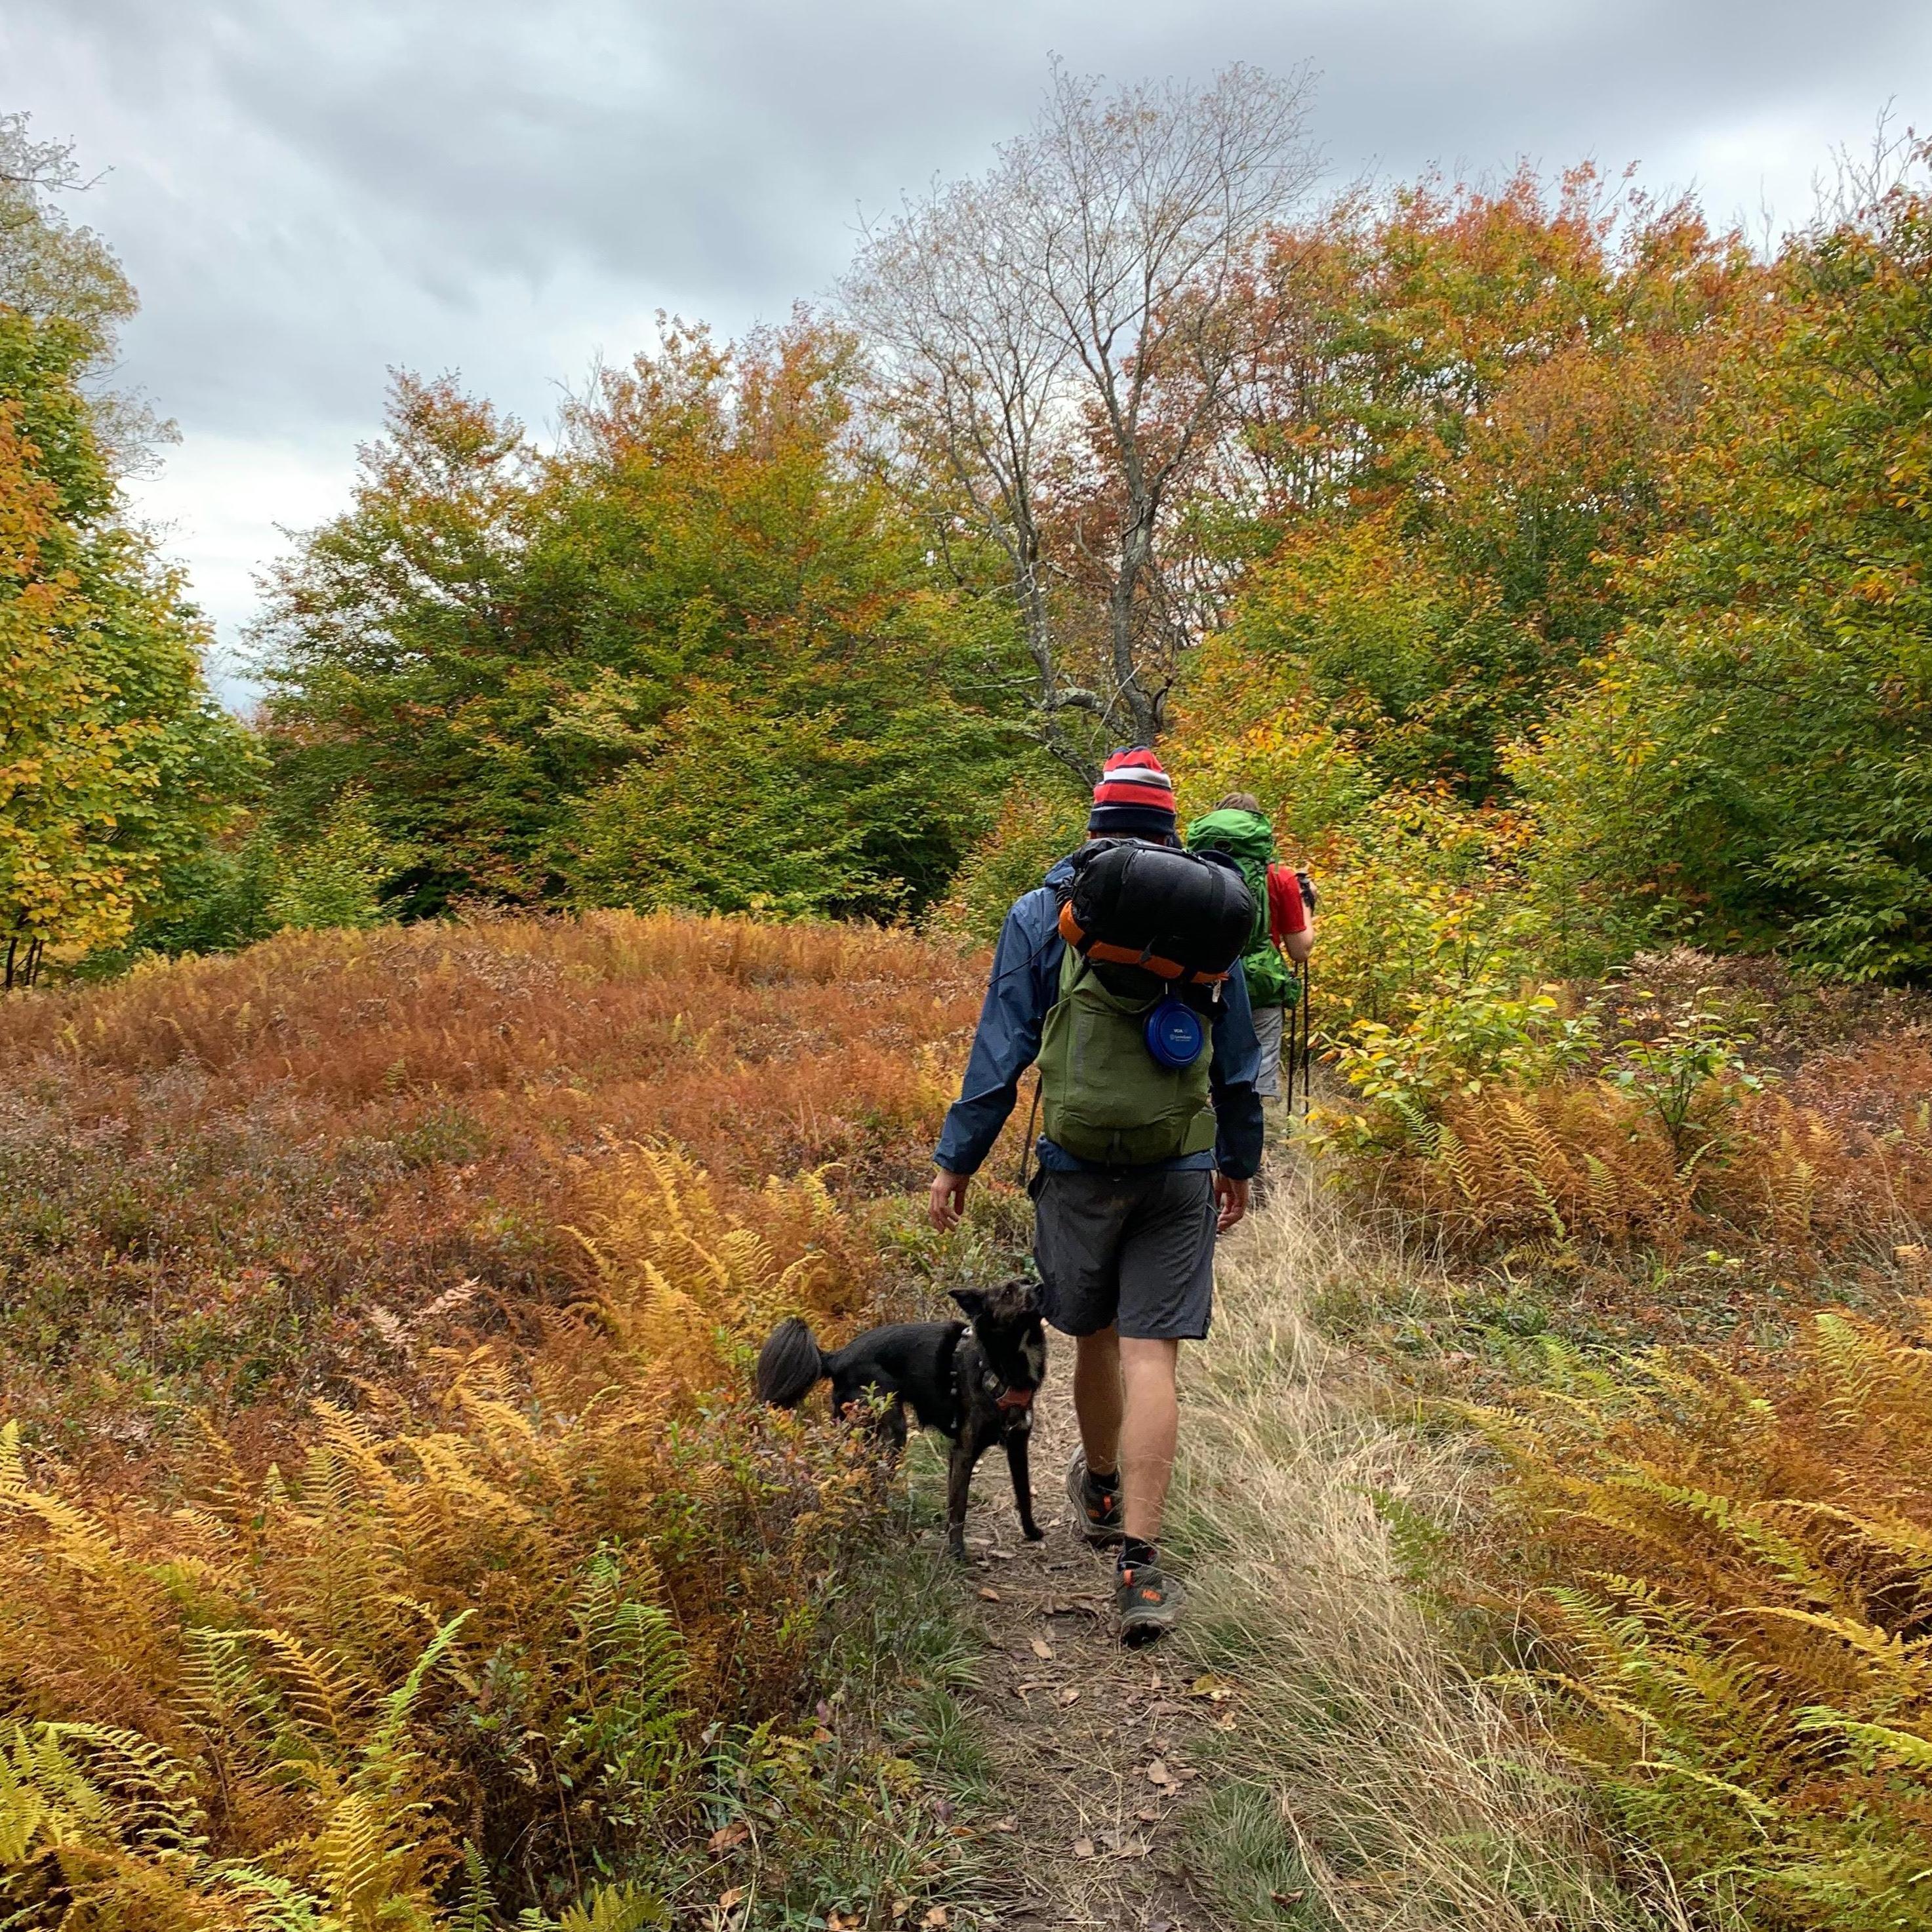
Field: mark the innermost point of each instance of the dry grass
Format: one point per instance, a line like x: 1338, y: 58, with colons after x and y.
x: 1367, y: 1757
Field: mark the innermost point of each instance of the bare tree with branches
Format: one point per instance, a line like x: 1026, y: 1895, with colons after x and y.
x: 1070, y: 328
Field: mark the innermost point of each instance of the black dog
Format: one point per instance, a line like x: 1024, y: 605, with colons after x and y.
x: 972, y: 1381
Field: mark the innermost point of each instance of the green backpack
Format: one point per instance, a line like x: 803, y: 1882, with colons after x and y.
x: 1104, y: 1096
x: 1249, y: 840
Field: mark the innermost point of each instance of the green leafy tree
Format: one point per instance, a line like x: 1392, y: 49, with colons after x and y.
x: 1753, y: 764
x: 336, y: 877
x: 115, y: 765
x: 697, y: 655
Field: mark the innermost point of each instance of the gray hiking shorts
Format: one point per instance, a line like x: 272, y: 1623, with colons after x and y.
x: 1270, y: 1025
x: 1132, y: 1249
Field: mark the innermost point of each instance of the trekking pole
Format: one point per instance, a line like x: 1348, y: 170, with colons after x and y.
x: 1294, y: 1017
x: 1307, y: 980
x: 1026, y: 1145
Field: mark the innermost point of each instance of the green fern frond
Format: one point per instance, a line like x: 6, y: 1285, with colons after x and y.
x: 615, y: 1908
x: 152, y: 1787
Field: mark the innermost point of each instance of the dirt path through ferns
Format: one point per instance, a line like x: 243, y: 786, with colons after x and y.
x: 1344, y: 1769
x: 1091, y: 1741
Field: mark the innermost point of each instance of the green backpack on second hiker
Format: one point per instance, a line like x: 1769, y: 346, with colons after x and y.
x: 1248, y: 838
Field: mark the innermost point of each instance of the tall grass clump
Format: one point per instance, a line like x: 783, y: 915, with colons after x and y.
x: 1371, y: 1779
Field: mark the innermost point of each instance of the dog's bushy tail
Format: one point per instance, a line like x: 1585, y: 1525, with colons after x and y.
x: 789, y: 1363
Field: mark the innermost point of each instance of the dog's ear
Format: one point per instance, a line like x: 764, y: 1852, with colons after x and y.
x: 972, y: 1300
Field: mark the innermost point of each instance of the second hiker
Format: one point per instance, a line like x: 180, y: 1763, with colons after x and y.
x: 1284, y: 921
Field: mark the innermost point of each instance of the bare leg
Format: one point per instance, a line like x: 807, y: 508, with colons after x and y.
x: 1147, y: 1433
x: 1098, y: 1399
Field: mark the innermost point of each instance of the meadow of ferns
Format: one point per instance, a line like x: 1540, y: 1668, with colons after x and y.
x: 1684, y: 1290
x: 388, y: 1538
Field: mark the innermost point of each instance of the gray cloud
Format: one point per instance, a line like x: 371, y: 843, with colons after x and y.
x: 306, y: 195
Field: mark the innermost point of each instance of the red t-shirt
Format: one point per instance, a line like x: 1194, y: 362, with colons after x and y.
x: 1286, y: 912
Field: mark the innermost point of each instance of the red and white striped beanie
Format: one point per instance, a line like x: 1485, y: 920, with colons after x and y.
x: 1134, y: 799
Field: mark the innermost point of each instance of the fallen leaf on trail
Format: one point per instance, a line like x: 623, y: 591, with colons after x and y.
x: 1009, y: 1823
x: 1184, y: 1771
x: 1289, y: 1897
x: 1041, y: 1649
x: 1083, y: 1848
x: 728, y: 1899
x: 723, y: 1840
x: 1132, y: 1848
x: 821, y: 1735
x: 937, y: 1916
x: 988, y: 1595
x: 1215, y: 1689
x: 1071, y: 1695
x: 1157, y: 1772
x: 1153, y: 1682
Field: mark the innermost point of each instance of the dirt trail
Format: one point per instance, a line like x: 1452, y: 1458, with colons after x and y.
x: 1091, y: 1740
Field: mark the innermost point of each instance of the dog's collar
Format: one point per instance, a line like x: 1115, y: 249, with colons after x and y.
x: 970, y: 1361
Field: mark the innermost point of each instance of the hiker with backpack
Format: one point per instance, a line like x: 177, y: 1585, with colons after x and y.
x: 1284, y: 922
x: 1120, y: 975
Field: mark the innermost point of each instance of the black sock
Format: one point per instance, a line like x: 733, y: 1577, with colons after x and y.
x: 1136, y: 1554
x: 1099, y: 1486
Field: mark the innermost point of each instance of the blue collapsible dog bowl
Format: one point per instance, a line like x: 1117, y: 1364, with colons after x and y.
x: 1175, y: 1035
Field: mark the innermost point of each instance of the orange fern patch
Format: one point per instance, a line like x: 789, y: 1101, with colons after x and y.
x: 384, y: 1525
x: 1731, y: 1574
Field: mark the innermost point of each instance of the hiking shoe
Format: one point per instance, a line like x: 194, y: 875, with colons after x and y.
x: 1149, y: 1603
x: 1096, y: 1515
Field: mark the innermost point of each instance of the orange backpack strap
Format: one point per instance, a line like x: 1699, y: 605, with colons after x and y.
x: 1125, y: 955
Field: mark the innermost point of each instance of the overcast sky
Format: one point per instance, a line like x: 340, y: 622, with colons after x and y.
x: 307, y: 193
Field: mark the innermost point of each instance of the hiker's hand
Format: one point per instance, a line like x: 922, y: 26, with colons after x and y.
x: 1230, y: 1197
x: 947, y: 1201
